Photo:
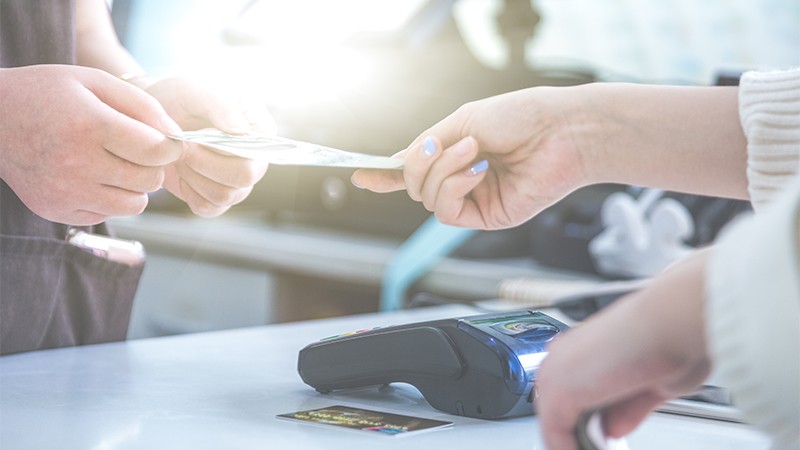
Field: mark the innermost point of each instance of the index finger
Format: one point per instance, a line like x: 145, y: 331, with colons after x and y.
x: 448, y: 131
x: 130, y: 101
x: 134, y: 124
x: 380, y: 180
x: 138, y: 143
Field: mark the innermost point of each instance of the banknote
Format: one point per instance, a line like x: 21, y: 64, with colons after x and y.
x: 283, y: 151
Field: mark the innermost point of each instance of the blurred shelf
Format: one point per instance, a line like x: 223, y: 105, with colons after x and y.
x: 319, y: 253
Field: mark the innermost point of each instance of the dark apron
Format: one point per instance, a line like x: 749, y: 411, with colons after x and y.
x: 52, y: 293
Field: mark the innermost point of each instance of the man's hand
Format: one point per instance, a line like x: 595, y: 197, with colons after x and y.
x: 79, y: 145
x: 210, y: 182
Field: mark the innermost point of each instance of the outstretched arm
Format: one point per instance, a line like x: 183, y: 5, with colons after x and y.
x: 542, y: 143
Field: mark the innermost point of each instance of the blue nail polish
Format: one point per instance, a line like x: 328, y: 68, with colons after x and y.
x: 479, y: 167
x: 429, y: 146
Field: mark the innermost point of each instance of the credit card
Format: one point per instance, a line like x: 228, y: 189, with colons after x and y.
x: 376, y: 422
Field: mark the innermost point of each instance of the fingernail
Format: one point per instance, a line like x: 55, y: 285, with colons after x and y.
x: 478, y: 167
x: 356, y: 184
x: 429, y: 146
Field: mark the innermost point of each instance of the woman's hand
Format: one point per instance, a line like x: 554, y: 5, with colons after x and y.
x: 493, y: 163
x: 644, y: 349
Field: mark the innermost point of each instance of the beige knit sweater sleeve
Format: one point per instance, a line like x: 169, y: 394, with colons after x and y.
x: 769, y: 107
x: 753, y: 280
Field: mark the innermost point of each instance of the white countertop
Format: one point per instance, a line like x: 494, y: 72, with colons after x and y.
x: 222, y: 390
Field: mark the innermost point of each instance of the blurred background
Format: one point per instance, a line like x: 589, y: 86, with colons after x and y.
x: 369, y: 76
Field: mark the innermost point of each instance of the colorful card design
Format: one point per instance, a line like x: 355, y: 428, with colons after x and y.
x: 366, y: 420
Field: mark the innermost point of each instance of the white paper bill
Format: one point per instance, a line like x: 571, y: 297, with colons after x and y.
x: 282, y: 151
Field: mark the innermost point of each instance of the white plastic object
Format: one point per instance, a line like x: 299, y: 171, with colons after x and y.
x: 641, y: 236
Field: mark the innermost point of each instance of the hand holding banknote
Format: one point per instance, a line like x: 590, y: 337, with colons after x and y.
x: 105, y: 148
x: 210, y: 182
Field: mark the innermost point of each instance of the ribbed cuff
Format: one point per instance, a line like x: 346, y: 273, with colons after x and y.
x: 769, y: 107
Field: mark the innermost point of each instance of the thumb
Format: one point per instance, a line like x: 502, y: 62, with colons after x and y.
x: 131, y: 101
x: 622, y: 418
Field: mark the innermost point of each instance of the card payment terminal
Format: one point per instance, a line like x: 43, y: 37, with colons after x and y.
x: 478, y: 366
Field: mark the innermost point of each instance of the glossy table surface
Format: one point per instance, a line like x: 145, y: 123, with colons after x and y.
x: 223, y: 390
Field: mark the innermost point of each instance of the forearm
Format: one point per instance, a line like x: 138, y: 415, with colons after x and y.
x: 686, y: 139
x: 98, y: 46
